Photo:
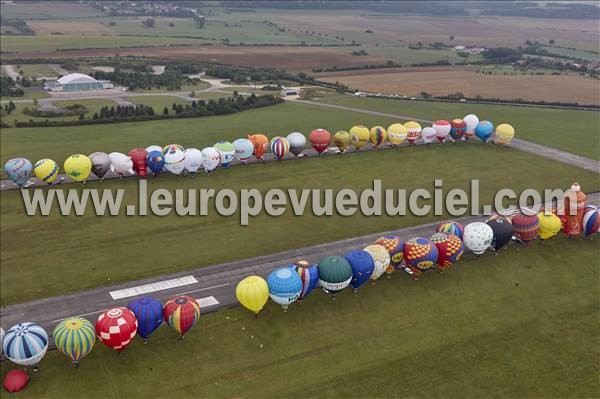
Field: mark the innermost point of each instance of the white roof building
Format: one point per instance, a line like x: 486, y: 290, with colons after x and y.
x: 78, y: 82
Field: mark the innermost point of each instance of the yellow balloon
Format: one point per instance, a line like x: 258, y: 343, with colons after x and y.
x: 253, y: 293
x: 413, y: 131
x: 504, y: 133
x: 359, y: 135
x: 342, y: 140
x: 397, y: 133
x: 46, y: 170
x: 550, y: 225
x: 78, y: 167
x: 378, y: 136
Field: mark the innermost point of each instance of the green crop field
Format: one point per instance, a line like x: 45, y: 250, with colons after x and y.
x: 47, y: 9
x: 50, y: 43
x: 568, y: 130
x: 586, y: 55
x: 513, y: 325
x: 209, y: 240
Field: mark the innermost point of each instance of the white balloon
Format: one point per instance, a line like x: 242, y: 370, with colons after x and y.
x: 442, y: 129
x: 174, y: 160
x: 428, y: 134
x: 381, y: 259
x: 211, y: 158
x: 120, y: 163
x: 471, y: 121
x: 243, y: 149
x: 151, y: 148
x: 478, y: 237
x: 193, y: 160
x: 297, y: 142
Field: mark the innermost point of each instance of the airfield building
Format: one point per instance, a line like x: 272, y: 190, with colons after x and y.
x: 77, y: 82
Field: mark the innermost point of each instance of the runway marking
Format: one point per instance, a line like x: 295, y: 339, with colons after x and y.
x: 204, y: 289
x: 153, y: 287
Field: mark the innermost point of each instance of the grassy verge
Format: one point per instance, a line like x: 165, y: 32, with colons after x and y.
x: 513, y: 325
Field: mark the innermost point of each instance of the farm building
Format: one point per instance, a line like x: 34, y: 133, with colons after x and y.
x: 77, y: 82
x: 289, y: 92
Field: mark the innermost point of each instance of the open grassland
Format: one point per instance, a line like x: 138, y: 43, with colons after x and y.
x: 514, y: 325
x: 586, y: 55
x: 117, y: 249
x: 18, y: 115
x: 571, y: 88
x: 158, y: 102
x: 40, y: 45
x: 36, y: 70
x: 47, y: 9
x: 573, y: 131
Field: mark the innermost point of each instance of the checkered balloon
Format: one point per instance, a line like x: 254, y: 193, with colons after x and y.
x: 116, y: 328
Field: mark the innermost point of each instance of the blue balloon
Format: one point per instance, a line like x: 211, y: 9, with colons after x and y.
x: 285, y: 286
x: 484, y: 130
x: 18, y: 170
x: 25, y: 344
x: 156, y: 161
x: 309, y: 275
x: 149, y: 314
x: 362, y: 267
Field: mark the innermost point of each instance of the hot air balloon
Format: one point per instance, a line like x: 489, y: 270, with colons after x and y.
x: 309, y: 275
x: 151, y: 148
x: 457, y: 129
x: 285, y: 286
x: 116, y: 328
x: 526, y: 227
x: 591, y: 220
x: 397, y: 133
x: 155, y: 161
x: 450, y: 248
x: 15, y: 380
x: 414, y: 132
x: 181, y: 313
x: 120, y: 163
x: 253, y: 293
x: 428, y: 134
x: 362, y: 265
x: 319, y: 139
x: 377, y: 136
x: 504, y: 134
x: 78, y: 167
x: 451, y: 227
x: 471, y: 121
x: 478, y: 237
x: 497, y: 216
x: 2, y: 333
x: 297, y: 142
x: 227, y: 151
x: 243, y: 150
x: 46, y: 170
x: 75, y: 338
x: 18, y: 170
x: 395, y: 247
x: 172, y: 147
x: 25, y: 344
x: 484, y: 130
x: 139, y: 157
x: 174, y: 160
x: 211, y: 157
x: 574, y: 205
x: 381, y: 259
x: 261, y: 143
x: 550, y: 225
x: 100, y: 164
x: 335, y: 274
x: 279, y: 147
x: 193, y: 160
x: 419, y: 255
x: 503, y: 232
x: 359, y: 135
x: 341, y: 140
x: 442, y: 129
x: 149, y: 314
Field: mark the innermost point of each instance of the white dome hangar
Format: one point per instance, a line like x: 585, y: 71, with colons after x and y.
x: 78, y: 82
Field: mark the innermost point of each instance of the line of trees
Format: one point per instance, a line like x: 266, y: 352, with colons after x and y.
x: 171, y: 79
x: 8, y: 87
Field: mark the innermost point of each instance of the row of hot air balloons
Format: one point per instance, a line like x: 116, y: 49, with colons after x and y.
x: 173, y: 158
x: 26, y: 343
x: 388, y: 253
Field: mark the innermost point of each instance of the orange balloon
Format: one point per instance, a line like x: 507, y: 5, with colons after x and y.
x: 261, y: 143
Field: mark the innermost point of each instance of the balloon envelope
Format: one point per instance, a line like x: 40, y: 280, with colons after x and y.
x: 297, y: 142
x: 174, y: 160
x: 46, y: 170
x: 181, y: 313
x: 309, y: 275
x: 260, y: 142
x: 450, y: 248
x: 397, y: 133
x: 100, y: 163
x: 335, y: 274
x: 395, y: 247
x: 319, y: 139
x: 471, y: 122
x: 149, y: 314
x: 78, y: 167
x: 484, y: 130
x: 116, y: 328
x: 139, y: 157
x: 413, y: 131
x: 227, y: 151
x: 377, y: 136
x: 526, y: 227
x: 504, y: 134
x: 193, y: 160
x: 451, y: 227
x: 550, y: 225
x: 75, y: 338
x: 457, y: 129
x: 151, y: 148
x: 156, y: 161
x: 362, y: 265
x: 503, y: 232
x: 428, y: 134
x: 279, y: 147
x: 478, y: 237
x: 18, y: 170
x: 211, y: 158
x: 342, y: 140
x: 253, y: 293
x: 442, y: 129
x: 359, y: 135
x: 285, y: 286
x: 381, y: 259
x: 25, y: 344
x: 591, y: 220
x: 120, y: 163
x: 243, y: 149
x: 420, y: 254
x: 172, y: 147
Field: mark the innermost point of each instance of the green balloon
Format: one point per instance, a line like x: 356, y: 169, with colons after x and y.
x: 224, y: 146
x: 335, y: 274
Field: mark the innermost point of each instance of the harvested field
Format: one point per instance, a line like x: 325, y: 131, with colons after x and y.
x: 290, y: 58
x: 80, y: 27
x: 413, y: 81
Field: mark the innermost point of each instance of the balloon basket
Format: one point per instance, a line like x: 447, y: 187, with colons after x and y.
x: 35, y: 369
x: 75, y: 364
x: 145, y: 341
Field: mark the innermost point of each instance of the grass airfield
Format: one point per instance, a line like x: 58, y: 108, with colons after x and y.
x: 513, y: 325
